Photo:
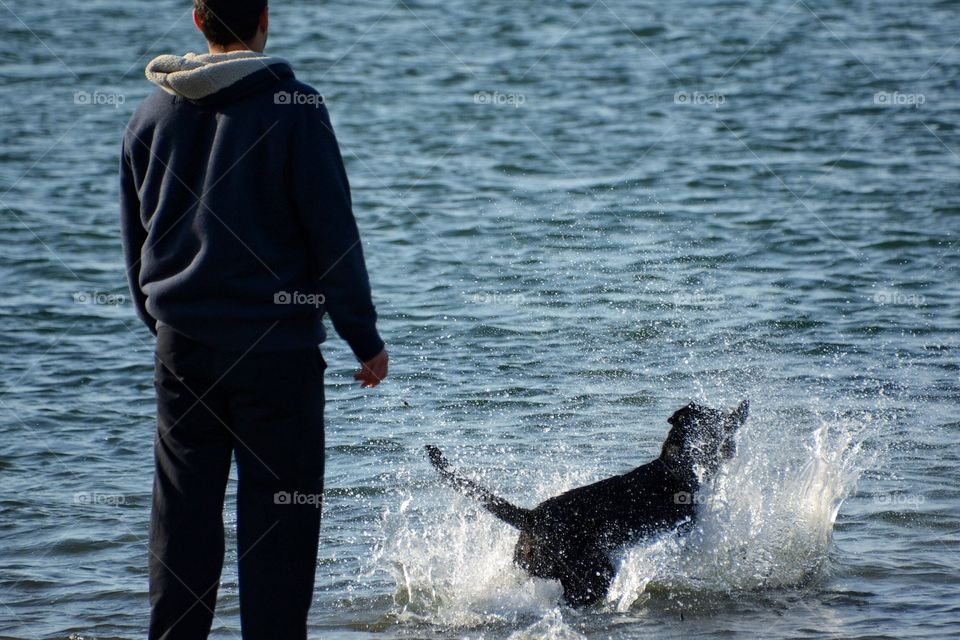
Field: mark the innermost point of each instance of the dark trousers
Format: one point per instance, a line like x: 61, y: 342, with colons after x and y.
x: 266, y: 410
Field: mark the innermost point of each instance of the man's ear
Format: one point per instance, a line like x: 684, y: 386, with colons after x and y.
x: 196, y: 21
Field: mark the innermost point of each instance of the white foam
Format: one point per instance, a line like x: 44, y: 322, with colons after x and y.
x: 765, y: 522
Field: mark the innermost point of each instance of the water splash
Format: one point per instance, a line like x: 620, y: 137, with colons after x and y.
x: 765, y: 522
x: 455, y: 568
x: 551, y: 627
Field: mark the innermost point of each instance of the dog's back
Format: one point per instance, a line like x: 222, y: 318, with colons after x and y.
x: 570, y: 536
x: 615, y: 510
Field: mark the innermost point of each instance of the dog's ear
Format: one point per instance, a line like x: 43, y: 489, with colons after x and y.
x: 682, y: 415
x: 738, y: 416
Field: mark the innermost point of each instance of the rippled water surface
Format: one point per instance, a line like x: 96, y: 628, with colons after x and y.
x: 578, y: 216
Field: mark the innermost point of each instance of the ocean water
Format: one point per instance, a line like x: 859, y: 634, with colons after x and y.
x: 578, y: 216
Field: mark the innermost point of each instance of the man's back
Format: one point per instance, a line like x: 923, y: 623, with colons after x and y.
x: 234, y: 194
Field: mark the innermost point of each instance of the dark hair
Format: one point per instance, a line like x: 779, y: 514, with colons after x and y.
x: 226, y: 22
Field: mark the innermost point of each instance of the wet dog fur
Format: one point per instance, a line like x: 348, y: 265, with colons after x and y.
x: 569, y: 537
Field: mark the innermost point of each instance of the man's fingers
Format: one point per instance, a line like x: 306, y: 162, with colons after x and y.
x: 367, y: 377
x: 373, y: 371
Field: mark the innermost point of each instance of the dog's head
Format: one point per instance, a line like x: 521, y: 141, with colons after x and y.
x: 701, y: 438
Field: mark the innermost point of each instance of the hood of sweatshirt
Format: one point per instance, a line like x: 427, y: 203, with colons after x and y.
x: 210, y: 78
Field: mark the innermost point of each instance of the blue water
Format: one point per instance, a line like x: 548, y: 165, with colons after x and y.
x: 578, y: 216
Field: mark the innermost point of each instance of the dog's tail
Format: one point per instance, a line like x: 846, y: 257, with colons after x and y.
x: 510, y: 513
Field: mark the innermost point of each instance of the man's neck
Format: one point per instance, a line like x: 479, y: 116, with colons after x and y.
x: 239, y: 46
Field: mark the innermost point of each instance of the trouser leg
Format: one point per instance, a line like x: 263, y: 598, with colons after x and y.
x: 278, y: 413
x: 192, y: 457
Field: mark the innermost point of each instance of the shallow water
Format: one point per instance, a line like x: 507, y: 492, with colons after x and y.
x: 577, y: 217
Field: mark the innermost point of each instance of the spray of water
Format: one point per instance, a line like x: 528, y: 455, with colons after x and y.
x: 764, y: 522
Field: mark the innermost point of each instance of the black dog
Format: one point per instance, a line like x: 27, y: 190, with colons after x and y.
x: 569, y: 537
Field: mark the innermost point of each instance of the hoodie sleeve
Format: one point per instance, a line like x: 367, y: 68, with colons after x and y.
x: 133, y: 235
x: 322, y: 195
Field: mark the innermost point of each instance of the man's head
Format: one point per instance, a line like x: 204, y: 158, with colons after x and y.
x: 232, y: 25
x: 701, y: 438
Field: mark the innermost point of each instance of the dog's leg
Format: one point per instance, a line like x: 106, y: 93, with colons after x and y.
x: 586, y: 579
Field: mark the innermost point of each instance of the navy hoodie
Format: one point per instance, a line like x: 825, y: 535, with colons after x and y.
x: 236, y: 216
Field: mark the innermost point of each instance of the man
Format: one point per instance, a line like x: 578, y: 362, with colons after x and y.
x: 238, y: 234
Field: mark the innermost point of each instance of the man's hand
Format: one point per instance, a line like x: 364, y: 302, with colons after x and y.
x: 373, y: 371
